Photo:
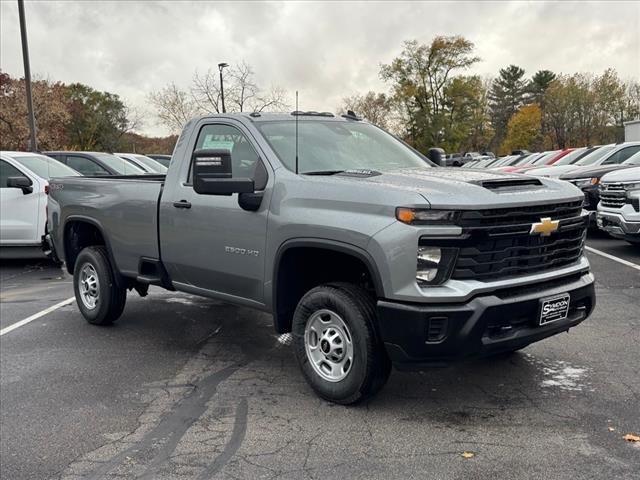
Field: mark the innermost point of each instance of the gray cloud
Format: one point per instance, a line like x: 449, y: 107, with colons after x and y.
x: 327, y: 50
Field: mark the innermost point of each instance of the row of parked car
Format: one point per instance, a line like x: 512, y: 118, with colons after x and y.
x: 605, y: 173
x: 609, y: 176
x: 24, y: 183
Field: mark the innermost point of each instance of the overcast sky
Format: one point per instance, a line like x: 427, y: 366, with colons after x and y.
x: 326, y: 50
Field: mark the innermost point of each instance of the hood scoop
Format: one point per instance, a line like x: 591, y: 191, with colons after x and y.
x: 510, y: 183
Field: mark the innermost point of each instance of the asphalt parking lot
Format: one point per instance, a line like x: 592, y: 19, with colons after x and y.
x: 189, y: 388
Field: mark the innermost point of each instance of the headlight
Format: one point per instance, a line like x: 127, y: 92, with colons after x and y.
x: 434, y: 265
x: 585, y: 182
x: 629, y: 187
x: 423, y: 216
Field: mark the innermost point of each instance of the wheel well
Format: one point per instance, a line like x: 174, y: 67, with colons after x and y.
x: 302, y: 268
x: 78, y: 235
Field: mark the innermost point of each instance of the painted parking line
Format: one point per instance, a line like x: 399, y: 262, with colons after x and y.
x: 612, y: 257
x: 36, y: 316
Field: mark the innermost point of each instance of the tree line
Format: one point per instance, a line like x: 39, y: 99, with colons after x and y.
x: 431, y: 101
x: 71, y: 116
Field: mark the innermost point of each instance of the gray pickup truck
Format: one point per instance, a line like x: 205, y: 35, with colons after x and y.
x: 365, y: 251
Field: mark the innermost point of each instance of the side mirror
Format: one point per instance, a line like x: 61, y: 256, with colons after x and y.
x: 437, y: 156
x: 23, y: 183
x: 212, y: 174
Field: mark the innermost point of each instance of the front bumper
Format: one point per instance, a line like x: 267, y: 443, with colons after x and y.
x: 617, y: 225
x: 418, y: 335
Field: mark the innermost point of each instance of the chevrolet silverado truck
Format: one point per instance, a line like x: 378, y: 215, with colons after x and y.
x: 360, y: 247
x: 619, y: 207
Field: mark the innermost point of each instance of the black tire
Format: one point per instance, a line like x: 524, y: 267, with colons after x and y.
x: 111, y: 299
x: 371, y: 366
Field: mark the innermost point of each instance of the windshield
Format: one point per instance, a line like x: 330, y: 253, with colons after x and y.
x: 491, y: 162
x: 151, y: 164
x: 120, y: 165
x: 517, y: 159
x: 595, y: 155
x: 571, y: 157
x: 545, y: 158
x: 527, y: 159
x: 502, y: 161
x: 331, y: 146
x: 164, y: 161
x: 46, y: 167
x: 632, y: 160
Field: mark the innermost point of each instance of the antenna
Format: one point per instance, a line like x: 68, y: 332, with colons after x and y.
x: 297, y: 132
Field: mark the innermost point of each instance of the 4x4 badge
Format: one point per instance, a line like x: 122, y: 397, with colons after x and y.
x: 544, y: 227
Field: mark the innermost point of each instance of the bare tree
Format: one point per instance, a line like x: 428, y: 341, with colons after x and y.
x: 174, y: 106
x: 205, y: 91
x: 241, y: 92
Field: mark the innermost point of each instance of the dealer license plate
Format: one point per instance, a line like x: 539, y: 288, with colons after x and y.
x: 554, y: 308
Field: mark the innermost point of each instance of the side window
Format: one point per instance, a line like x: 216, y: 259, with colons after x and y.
x: 7, y: 170
x: 628, y: 153
x: 621, y: 155
x: 243, y: 156
x: 85, y: 166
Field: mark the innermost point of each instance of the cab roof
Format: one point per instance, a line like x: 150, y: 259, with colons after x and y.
x: 285, y: 116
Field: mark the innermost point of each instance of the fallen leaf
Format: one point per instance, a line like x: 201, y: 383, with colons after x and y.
x: 629, y: 437
x: 468, y: 454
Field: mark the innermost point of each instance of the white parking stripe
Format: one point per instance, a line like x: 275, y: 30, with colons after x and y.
x: 611, y: 257
x: 36, y: 316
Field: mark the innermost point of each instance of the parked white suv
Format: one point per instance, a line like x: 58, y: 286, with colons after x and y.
x: 619, y: 207
x: 24, y: 179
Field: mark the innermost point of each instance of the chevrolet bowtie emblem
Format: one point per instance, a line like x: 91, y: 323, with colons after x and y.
x: 544, y: 227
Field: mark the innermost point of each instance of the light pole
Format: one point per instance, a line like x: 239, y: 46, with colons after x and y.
x: 27, y: 76
x: 221, y: 66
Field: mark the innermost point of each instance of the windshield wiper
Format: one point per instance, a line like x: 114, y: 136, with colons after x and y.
x: 323, y: 172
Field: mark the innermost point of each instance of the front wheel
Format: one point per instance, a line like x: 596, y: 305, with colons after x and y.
x: 99, y: 299
x: 336, y: 345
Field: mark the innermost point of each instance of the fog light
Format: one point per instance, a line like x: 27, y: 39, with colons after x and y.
x: 428, y: 262
x: 434, y: 264
x: 431, y: 255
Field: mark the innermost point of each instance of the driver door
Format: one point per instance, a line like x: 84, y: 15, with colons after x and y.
x: 210, y: 245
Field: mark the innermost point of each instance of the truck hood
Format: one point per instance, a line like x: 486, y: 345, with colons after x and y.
x: 460, y: 188
x: 553, y: 171
x: 592, y: 172
x: 625, y: 175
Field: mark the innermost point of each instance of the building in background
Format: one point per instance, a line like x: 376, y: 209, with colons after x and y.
x: 632, y: 131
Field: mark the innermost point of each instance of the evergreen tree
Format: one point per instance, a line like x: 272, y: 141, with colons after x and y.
x: 539, y: 84
x: 506, y: 96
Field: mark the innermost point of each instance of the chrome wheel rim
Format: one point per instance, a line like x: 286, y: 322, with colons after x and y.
x: 329, y: 345
x: 89, y: 286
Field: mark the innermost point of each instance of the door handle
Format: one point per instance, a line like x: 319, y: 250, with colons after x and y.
x: 182, y: 204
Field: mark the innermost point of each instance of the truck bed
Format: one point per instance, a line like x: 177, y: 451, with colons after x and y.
x: 125, y: 208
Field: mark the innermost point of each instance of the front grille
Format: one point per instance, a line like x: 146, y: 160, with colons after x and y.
x: 505, y: 217
x: 497, y: 243
x: 613, y: 195
x: 493, y: 258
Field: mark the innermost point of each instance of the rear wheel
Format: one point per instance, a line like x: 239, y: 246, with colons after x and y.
x: 336, y: 345
x: 99, y: 299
